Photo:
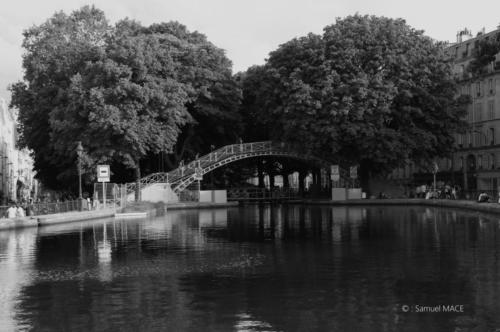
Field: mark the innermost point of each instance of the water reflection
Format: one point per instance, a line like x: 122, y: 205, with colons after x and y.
x: 255, y: 268
x: 17, y: 250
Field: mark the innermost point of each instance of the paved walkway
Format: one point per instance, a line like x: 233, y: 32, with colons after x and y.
x: 56, y: 218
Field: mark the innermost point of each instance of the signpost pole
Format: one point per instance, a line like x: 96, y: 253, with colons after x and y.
x: 103, y: 176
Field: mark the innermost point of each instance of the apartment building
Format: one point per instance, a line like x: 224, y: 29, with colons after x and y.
x: 475, y: 165
x: 478, y: 151
x: 16, y: 166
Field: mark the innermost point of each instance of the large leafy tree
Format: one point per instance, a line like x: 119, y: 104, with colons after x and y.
x: 129, y: 103
x: 371, y: 91
x: 484, y: 54
x: 215, y: 96
x: 55, y: 52
x: 127, y: 92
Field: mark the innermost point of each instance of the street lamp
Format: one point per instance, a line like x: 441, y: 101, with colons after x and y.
x: 79, y: 152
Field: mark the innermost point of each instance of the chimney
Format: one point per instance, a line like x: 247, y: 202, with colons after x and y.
x: 464, y: 35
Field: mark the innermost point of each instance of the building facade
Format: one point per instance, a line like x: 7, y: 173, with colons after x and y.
x: 475, y: 164
x: 17, y: 181
x: 478, y: 150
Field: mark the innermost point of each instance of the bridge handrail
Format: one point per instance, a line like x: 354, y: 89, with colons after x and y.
x: 222, y: 153
x: 182, y: 175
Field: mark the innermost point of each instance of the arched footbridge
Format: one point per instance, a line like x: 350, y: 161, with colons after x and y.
x: 181, y: 177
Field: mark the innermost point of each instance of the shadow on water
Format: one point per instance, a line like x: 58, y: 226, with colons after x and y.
x: 256, y: 268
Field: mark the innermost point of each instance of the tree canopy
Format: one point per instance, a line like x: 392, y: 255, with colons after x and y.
x: 484, y: 53
x: 370, y: 91
x: 126, y: 91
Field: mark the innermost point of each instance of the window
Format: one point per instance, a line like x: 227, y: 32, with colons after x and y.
x: 478, y: 89
x: 490, y: 86
x: 478, y: 111
x: 477, y: 138
x: 492, y: 157
x: 480, y: 162
x: 492, y: 136
x: 491, y: 110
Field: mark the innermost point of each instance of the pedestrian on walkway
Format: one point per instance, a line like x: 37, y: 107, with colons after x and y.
x: 454, y: 193
x: 11, y: 211
x: 20, y: 212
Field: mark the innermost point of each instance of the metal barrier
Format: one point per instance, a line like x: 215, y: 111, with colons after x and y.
x: 181, y: 177
x: 43, y: 208
x: 189, y: 195
x: 260, y: 194
x: 3, y: 211
x: 39, y: 209
x: 473, y: 195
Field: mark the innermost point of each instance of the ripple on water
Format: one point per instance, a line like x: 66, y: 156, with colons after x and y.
x: 241, y: 263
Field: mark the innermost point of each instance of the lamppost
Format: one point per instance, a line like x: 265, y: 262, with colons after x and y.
x: 79, y: 152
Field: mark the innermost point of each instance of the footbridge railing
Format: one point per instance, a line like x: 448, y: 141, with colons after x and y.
x: 184, y: 175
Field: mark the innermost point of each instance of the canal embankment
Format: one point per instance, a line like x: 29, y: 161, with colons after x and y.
x: 199, y: 205
x: 147, y: 209
x: 153, y: 209
x: 55, y: 218
x: 444, y: 203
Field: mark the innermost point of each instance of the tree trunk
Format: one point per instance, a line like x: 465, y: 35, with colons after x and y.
x: 302, y: 176
x: 364, y: 178
x: 271, y: 180
x: 170, y: 162
x: 260, y: 173
x: 286, y: 180
x: 137, y: 182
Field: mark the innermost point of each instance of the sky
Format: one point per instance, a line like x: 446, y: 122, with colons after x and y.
x: 247, y: 29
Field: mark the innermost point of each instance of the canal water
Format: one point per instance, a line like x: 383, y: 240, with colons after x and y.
x: 257, y: 268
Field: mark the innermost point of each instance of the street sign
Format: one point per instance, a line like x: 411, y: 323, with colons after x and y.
x: 198, y: 174
x: 353, y: 172
x: 103, y: 173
